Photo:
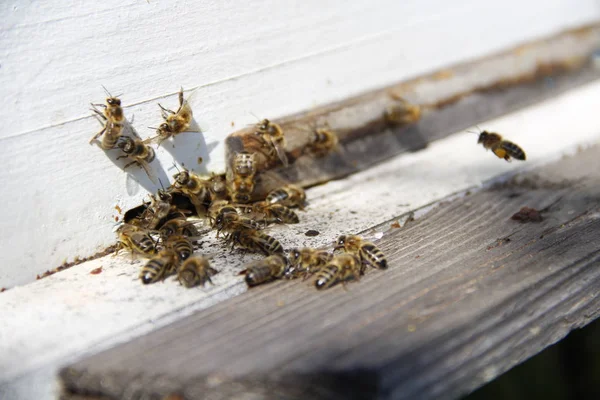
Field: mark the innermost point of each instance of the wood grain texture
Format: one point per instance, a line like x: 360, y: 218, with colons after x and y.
x: 469, y: 294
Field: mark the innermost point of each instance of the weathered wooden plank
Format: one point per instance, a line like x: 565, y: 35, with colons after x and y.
x: 469, y: 293
x: 448, y: 100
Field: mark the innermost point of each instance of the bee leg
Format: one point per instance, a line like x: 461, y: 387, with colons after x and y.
x: 97, y: 135
x: 164, y: 111
x: 180, y: 98
x: 130, y: 164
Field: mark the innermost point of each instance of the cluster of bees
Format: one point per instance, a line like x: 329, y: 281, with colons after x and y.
x: 164, y: 230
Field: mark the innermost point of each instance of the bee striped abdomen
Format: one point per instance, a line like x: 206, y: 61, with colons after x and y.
x: 513, y: 150
x: 284, y: 214
x: 152, y: 272
x: 267, y: 244
x: 182, y: 246
x: 373, y: 256
x: 326, y: 277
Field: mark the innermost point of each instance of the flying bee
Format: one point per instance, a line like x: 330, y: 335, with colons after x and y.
x: 368, y: 253
x: 244, y: 164
x: 178, y: 226
x: 195, y: 271
x: 140, y: 154
x: 181, y: 245
x: 197, y: 189
x: 265, y: 270
x: 112, y: 109
x: 500, y: 147
x: 272, y: 137
x: 175, y: 121
x: 402, y: 113
x: 289, y: 196
x: 323, y: 142
x: 159, y: 267
x: 276, y: 212
x: 306, y: 261
x: 343, y: 267
x: 255, y: 240
x: 136, y: 240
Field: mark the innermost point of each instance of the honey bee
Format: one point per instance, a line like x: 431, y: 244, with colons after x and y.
x: 323, y: 142
x: 265, y: 270
x: 136, y: 240
x: 181, y: 245
x: 159, y: 267
x: 197, y: 189
x: 195, y: 271
x: 244, y: 164
x: 178, y: 226
x: 272, y: 137
x: 140, y: 154
x: 500, y: 147
x: 306, y: 261
x: 289, y: 196
x: 276, y: 212
x: 256, y: 241
x: 368, y: 253
x: 343, y: 267
x: 175, y: 121
x: 229, y: 220
x: 402, y: 113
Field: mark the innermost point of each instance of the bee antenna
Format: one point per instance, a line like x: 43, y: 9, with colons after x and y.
x: 254, y: 115
x: 161, y: 184
x: 175, y: 165
x: 106, y: 91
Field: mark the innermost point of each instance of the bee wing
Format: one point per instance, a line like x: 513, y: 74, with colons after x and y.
x: 146, y: 167
x: 281, y: 154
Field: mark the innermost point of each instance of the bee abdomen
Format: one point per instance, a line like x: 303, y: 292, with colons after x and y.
x: 374, y: 256
x: 513, y: 150
x: 326, y: 277
x: 257, y: 275
x: 271, y: 245
x: 284, y: 214
x: 152, y: 272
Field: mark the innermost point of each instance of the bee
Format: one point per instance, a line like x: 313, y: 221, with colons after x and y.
x: 368, y: 253
x: 265, y: 270
x: 159, y: 267
x: 229, y: 220
x: 195, y: 271
x: 289, y: 196
x: 178, y: 226
x: 306, y: 261
x: 175, y: 121
x: 181, y: 245
x: 500, y: 147
x: 272, y: 137
x: 140, y: 154
x: 343, y: 267
x: 244, y: 164
x: 402, y: 113
x: 323, y: 142
x: 197, y: 189
x: 255, y: 240
x: 276, y: 212
x: 136, y: 240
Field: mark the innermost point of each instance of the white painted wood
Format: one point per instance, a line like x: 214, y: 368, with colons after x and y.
x: 72, y: 313
x: 270, y: 58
